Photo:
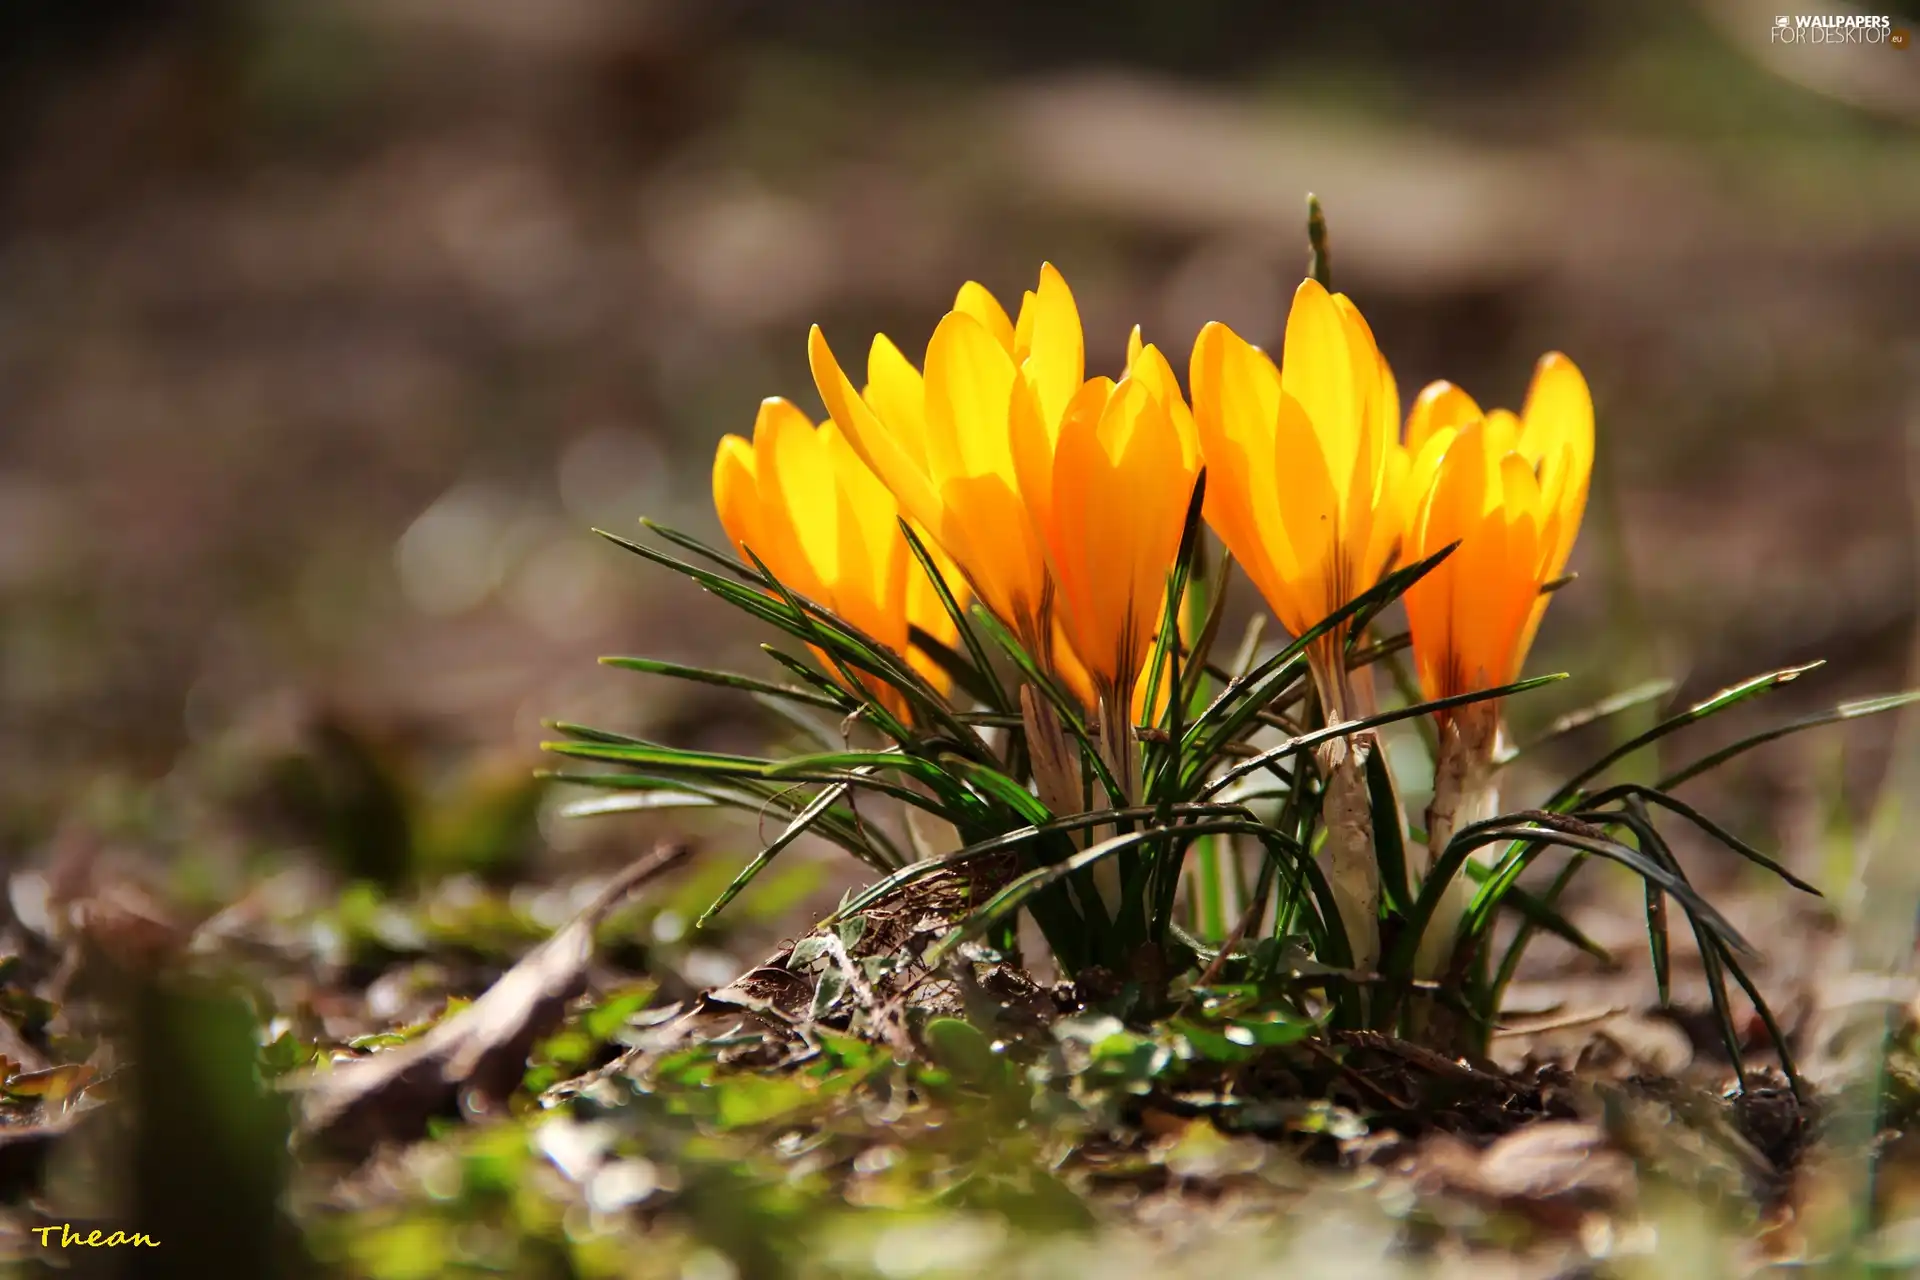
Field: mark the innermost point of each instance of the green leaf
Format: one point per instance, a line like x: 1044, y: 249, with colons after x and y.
x: 866, y: 842
x: 965, y: 1054
x: 1612, y: 705
x: 806, y: 610
x: 1389, y: 842
x: 917, y: 871
x: 999, y: 786
x: 965, y: 676
x: 1166, y: 645
x: 1541, y: 916
x: 1728, y: 697
x: 688, y: 542
x: 1845, y: 711
x: 828, y: 990
x: 1241, y: 700
x: 602, y: 805
x: 983, y: 673
x: 1655, y: 796
x: 1209, y: 633
x: 821, y: 803
x: 1307, y: 741
x: 725, y: 679
x: 1506, y: 829
x: 1064, y: 706
x: 1636, y: 820
x: 1023, y: 887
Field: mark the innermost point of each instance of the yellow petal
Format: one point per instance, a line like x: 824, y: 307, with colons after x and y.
x: 878, y: 445
x: 1558, y: 437
x: 736, y: 492
x: 1236, y: 395
x: 976, y: 300
x: 1318, y: 369
x: 897, y: 395
x: 1149, y: 366
x: 1054, y: 353
x: 797, y: 478
x: 1439, y: 406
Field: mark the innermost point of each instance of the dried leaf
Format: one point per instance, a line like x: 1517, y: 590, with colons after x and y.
x: 478, y: 1056
x: 54, y: 1085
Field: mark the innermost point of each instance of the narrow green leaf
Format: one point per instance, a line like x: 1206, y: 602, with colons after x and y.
x: 1541, y: 916
x: 1845, y: 711
x: 1635, y: 819
x: 843, y: 701
x: 996, y: 695
x: 602, y: 805
x: 1699, y: 711
x: 1506, y: 829
x: 725, y: 679
x: 1231, y: 710
x: 965, y: 676
x: 1004, y: 789
x: 1069, y: 713
x: 1166, y: 643
x: 1022, y: 887
x: 1209, y: 633
x: 1612, y: 705
x: 1389, y: 842
x: 794, y: 830
x: 908, y: 875
x: 1655, y: 796
x: 884, y: 719
x: 688, y: 542
x: 1307, y: 741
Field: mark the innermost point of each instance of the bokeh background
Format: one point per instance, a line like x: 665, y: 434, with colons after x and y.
x: 329, y: 328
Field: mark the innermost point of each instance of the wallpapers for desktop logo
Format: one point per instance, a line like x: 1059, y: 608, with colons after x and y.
x: 1838, y: 28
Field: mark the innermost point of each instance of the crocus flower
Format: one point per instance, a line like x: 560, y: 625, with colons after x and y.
x: 1510, y: 491
x: 1309, y: 487
x: 963, y: 446
x: 821, y: 521
x: 1123, y: 470
x: 1308, y: 483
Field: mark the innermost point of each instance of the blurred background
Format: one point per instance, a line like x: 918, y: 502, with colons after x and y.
x: 328, y: 329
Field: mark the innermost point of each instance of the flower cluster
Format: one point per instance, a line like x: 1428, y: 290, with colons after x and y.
x: 1059, y: 499
x: 994, y: 496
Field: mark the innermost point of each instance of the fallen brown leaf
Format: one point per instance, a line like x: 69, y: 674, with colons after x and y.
x: 1554, y: 1171
x: 476, y: 1058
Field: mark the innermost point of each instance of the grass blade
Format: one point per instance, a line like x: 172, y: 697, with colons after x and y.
x: 1845, y: 711
x: 917, y: 871
x: 1389, y: 839
x: 821, y: 803
x: 1730, y: 696
x: 1655, y: 796
x: 1306, y: 741
x: 995, y: 693
x: 1022, y: 887
x: 725, y: 679
x: 1612, y: 705
x: 1526, y: 828
x: 601, y: 805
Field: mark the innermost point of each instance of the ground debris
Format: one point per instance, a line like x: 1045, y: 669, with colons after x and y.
x: 478, y: 1056
x: 1555, y: 1171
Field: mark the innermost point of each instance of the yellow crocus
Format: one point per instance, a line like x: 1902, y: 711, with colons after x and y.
x: 967, y: 447
x: 802, y: 500
x: 1510, y: 490
x: 1308, y: 483
x: 1123, y: 470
